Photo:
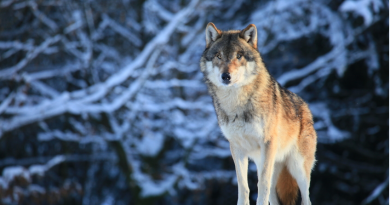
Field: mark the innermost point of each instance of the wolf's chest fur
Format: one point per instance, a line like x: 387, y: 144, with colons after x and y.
x: 240, y: 122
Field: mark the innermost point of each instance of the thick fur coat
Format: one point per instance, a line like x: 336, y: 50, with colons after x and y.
x: 261, y: 119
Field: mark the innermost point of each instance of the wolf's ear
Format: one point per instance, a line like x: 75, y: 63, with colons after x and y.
x: 249, y: 34
x: 212, y: 34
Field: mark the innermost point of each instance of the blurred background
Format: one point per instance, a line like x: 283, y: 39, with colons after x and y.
x: 103, y: 102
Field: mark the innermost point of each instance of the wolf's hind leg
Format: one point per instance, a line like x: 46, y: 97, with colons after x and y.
x: 299, y: 169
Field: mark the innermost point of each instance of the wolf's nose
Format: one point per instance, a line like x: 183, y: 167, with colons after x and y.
x: 225, y: 78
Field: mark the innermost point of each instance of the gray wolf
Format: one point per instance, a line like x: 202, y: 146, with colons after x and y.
x: 261, y: 120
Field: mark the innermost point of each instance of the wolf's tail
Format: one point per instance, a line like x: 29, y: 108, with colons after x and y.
x: 286, y: 188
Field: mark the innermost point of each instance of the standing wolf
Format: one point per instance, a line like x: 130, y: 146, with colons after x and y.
x: 261, y: 119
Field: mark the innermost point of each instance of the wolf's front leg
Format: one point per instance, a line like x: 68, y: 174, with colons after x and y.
x: 265, y: 171
x: 241, y: 163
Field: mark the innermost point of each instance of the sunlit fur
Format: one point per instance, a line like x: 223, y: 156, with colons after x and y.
x: 261, y: 119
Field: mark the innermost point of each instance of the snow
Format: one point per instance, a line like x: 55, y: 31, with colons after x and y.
x: 362, y: 8
x: 110, y: 200
x: 30, y: 55
x: 122, y: 31
x: 3, y: 183
x: 150, y: 144
x: 53, y: 162
x: 10, y: 173
x: 36, y: 188
x: 151, y: 188
x: 78, y: 22
x: 334, y: 134
x: 378, y: 190
x: 37, y: 170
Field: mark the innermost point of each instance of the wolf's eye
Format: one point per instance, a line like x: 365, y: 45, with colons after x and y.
x: 218, y: 56
x: 239, y: 56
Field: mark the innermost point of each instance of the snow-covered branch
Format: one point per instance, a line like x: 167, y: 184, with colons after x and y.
x: 79, y: 101
x: 8, y: 72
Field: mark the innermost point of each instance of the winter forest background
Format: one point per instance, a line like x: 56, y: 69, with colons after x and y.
x: 102, y: 102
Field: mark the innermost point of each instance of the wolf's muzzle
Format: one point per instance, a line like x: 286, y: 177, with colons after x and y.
x: 225, y: 78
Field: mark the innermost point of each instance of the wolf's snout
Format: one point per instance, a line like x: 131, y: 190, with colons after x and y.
x: 225, y: 78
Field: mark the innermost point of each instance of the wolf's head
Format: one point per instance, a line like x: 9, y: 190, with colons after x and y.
x: 231, y: 58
